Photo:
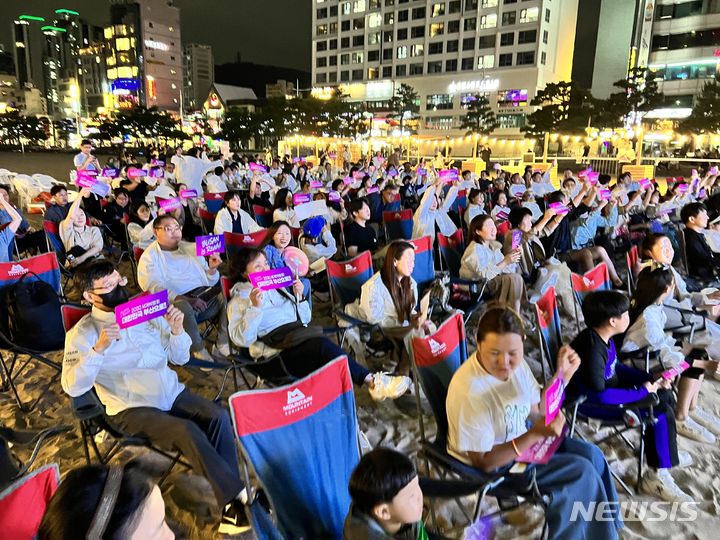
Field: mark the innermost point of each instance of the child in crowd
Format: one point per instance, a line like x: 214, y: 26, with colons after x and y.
x: 500, y: 201
x: 387, y: 502
x: 604, y: 380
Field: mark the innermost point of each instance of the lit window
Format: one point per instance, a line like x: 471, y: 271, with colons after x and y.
x: 438, y: 10
x: 374, y: 20
x: 357, y: 58
x: 402, y: 52
x: 358, y: 6
x: 528, y: 15
x: 437, y: 29
x: 489, y: 3
x: 488, y: 21
x: 173, y: 86
x: 122, y: 44
x: 486, y: 61
x: 417, y: 50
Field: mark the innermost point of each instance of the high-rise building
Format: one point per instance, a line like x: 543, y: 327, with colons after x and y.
x: 449, y: 51
x: 144, y: 54
x: 199, y: 74
x: 52, y: 66
x: 678, y: 42
x: 23, y: 48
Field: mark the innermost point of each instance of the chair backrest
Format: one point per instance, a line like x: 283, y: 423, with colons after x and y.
x: 451, y: 251
x: 236, y: 241
x: 398, y: 225
x: 213, y: 201
x: 548, y: 318
x: 460, y: 201
x: 137, y: 253
x: 52, y: 233
x: 314, y: 422
x: 633, y: 267
x: 424, y: 271
x: 45, y: 266
x: 207, y: 219
x: 683, y: 249
x: 226, y: 285
x: 23, y: 503
x: 263, y: 215
x: 346, y: 278
x: 435, y: 360
x: 71, y: 314
x: 597, y: 279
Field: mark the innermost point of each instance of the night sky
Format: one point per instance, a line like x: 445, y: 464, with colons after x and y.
x: 272, y: 32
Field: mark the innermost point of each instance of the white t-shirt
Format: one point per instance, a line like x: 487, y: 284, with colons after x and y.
x: 80, y: 159
x: 484, y: 411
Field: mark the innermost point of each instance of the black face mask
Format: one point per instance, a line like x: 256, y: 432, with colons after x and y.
x: 119, y: 295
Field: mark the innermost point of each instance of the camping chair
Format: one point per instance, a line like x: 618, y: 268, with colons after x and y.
x: 54, y: 243
x: 306, y: 483
x: 207, y: 221
x: 451, y: 251
x: 263, y: 215
x: 44, y: 267
x: 549, y: 329
x: 597, y: 279
x: 435, y: 359
x: 237, y: 241
x: 11, y: 468
x: 424, y: 271
x: 460, y: 202
x: 632, y: 259
x: 398, y: 225
x: 24, y: 502
x: 213, y: 201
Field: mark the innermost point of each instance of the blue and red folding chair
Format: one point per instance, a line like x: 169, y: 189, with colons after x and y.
x: 424, y: 271
x: 451, y: 251
x: 398, y: 225
x: 632, y: 259
x: 43, y: 267
x: 549, y: 330
x: 263, y: 215
x: 597, y: 279
x: 346, y: 278
x: 213, y: 201
x: 236, y: 241
x: 460, y: 202
x: 207, y: 220
x: 300, y: 441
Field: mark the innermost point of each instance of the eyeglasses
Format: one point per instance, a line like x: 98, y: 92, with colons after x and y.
x: 112, y: 282
x: 169, y: 228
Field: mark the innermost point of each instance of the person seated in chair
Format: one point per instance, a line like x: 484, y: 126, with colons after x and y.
x: 387, y: 501
x: 191, y: 282
x: 82, y: 241
x: 606, y: 381
x: 231, y: 218
x: 26, y: 237
x: 359, y: 235
x: 140, y: 229
x: 384, y: 202
x: 703, y: 263
x: 60, y: 206
x: 275, y: 322
x: 495, y: 414
x: 142, y: 396
x: 115, y: 214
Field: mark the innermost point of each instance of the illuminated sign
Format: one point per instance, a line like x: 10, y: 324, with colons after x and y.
x: 157, y: 45
x: 122, y: 87
x: 151, y: 87
x: 484, y: 85
x: 214, y: 101
x: 30, y: 18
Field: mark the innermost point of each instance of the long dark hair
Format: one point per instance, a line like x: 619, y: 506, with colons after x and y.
x: 135, y: 218
x: 651, y: 283
x: 72, y: 508
x: 400, y: 289
x: 476, y: 225
x: 281, y: 199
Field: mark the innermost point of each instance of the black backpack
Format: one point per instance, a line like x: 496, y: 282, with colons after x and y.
x: 30, y: 314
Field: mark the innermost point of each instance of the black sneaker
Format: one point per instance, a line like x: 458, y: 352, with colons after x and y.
x: 233, y: 521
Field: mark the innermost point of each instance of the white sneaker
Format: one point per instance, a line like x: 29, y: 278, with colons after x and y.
x: 205, y: 356
x: 221, y: 351
x: 684, y: 458
x: 661, y: 484
x: 692, y: 430
x: 385, y: 386
x: 706, y: 419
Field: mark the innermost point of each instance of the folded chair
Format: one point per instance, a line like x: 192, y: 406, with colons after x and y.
x: 398, y: 225
x: 11, y: 468
x: 301, y: 443
x: 207, y: 220
x: 633, y: 267
x: 424, y: 271
x: 435, y: 359
x: 213, y: 201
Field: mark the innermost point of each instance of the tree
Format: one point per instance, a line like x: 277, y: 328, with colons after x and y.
x: 239, y: 126
x: 404, y: 104
x: 17, y: 127
x: 705, y: 116
x: 479, y: 118
x: 563, y: 108
x: 639, y: 94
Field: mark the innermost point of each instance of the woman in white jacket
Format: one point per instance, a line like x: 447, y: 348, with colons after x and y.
x: 483, y: 259
x: 256, y: 317
x: 283, y: 209
x: 432, y: 211
x: 655, y: 285
x: 232, y: 218
x: 140, y: 229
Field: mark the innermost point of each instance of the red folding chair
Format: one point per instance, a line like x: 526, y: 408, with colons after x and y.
x: 207, y: 220
x: 236, y: 241
x: 451, y: 251
x: 597, y: 279
x: 398, y: 225
x: 632, y: 259
x: 263, y: 215
x: 213, y: 201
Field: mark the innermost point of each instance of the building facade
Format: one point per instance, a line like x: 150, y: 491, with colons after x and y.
x: 23, y: 49
x: 683, y: 49
x: 144, y: 54
x: 199, y: 72
x: 449, y: 51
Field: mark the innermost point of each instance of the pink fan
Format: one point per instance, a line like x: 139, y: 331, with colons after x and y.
x: 296, y: 260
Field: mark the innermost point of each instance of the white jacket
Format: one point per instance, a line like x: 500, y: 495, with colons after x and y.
x: 154, y: 274
x: 286, y: 215
x: 246, y: 322
x: 223, y: 222
x: 649, y: 331
x: 480, y: 261
x: 133, y: 371
x: 141, y: 237
x: 472, y: 211
x: 375, y: 304
x: 215, y: 184
x: 316, y: 251
x: 424, y: 219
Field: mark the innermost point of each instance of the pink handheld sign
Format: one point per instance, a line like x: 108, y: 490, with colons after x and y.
x: 502, y: 216
x: 605, y: 194
x: 157, y: 162
x: 543, y: 450
x: 372, y: 189
x: 188, y: 193
x: 157, y: 173
x: 141, y: 309
x: 98, y: 188
x: 358, y: 175
x: 301, y: 198
x: 554, y: 397
x: 170, y: 204
x: 347, y: 180
x: 110, y: 173
x: 645, y: 183
x: 275, y: 278
x: 559, y: 208
x: 316, y: 184
x: 448, y: 175
x: 516, y: 238
x: 133, y: 172
x: 257, y: 167
x: 682, y: 188
x: 334, y: 196
x: 675, y: 371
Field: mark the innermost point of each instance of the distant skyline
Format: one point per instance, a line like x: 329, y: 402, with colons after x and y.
x: 270, y: 32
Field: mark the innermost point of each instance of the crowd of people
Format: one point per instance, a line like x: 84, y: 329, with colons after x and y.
x: 523, y: 233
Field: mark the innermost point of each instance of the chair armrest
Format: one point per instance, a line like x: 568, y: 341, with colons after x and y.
x: 87, y: 406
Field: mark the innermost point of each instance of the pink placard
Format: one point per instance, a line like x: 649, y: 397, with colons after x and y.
x: 516, y: 238
x: 316, y: 184
x: 334, y: 196
x: 141, y: 309
x: 87, y: 173
x: 559, y: 208
x: 592, y: 177
x: 275, y: 278
x: 645, y: 183
x: 99, y: 188
x: 605, y: 194
x: 542, y: 451
x: 554, y: 397
x: 170, y: 204
x: 502, y: 216
x: 372, y: 189
x: 420, y: 171
x: 682, y: 188
x: 714, y: 171
x: 157, y: 162
x: 110, y: 173
x: 301, y: 198
x: 157, y: 172
x: 517, y: 190
x: 358, y: 175
x: 675, y: 371
x: 188, y: 193
x: 347, y: 180
x: 257, y: 167
x: 207, y: 245
x: 448, y: 175
x: 133, y: 172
